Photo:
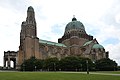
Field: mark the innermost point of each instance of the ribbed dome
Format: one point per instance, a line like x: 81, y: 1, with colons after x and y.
x: 74, y: 24
x: 30, y: 8
x: 97, y: 46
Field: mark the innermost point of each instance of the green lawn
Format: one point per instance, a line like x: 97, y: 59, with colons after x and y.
x: 53, y: 76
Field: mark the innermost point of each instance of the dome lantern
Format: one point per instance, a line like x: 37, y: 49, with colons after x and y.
x: 74, y: 19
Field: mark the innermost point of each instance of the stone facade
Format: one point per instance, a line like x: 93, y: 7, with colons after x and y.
x: 8, y: 57
x: 75, y: 42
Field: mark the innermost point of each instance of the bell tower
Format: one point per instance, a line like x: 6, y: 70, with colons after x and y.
x: 29, y: 42
x: 31, y: 23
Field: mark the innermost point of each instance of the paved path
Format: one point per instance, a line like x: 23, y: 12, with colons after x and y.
x: 96, y: 73
x: 105, y: 73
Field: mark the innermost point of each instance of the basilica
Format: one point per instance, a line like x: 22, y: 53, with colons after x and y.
x: 74, y: 42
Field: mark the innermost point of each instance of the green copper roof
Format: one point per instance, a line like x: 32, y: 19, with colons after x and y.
x: 51, y: 43
x: 74, y: 24
x: 96, y: 46
x: 87, y: 43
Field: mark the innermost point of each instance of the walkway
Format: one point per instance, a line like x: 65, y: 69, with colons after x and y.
x: 100, y: 73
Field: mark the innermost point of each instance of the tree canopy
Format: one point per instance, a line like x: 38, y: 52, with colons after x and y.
x: 106, y: 64
x: 70, y: 63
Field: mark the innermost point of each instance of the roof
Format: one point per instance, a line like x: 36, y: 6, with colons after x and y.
x: 96, y: 46
x: 74, y: 24
x: 51, y: 43
x: 87, y: 43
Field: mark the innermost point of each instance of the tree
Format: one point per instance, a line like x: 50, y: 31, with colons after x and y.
x: 91, y: 65
x: 75, y: 63
x: 32, y: 64
x: 51, y: 64
x: 39, y: 64
x: 69, y: 63
x: 119, y: 68
x: 26, y: 66
x: 106, y: 64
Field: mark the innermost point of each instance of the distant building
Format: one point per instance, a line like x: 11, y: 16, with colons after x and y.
x: 75, y: 42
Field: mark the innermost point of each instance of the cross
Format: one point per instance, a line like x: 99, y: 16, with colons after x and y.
x: 74, y: 16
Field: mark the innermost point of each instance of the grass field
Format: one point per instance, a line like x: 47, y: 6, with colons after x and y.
x: 54, y: 76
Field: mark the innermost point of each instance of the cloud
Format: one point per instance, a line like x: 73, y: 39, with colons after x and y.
x: 114, y: 51
x: 107, y: 31
x: 10, y: 21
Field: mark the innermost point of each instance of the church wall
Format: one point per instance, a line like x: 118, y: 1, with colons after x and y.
x: 49, y: 51
x: 74, y: 50
x: 20, y: 59
x: 38, y: 55
x: 66, y: 42
x: 82, y: 41
x: 19, y: 56
x: 28, y: 48
x: 74, y: 40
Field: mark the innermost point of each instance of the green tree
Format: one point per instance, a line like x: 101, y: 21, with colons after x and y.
x: 29, y: 65
x: 106, y: 64
x: 32, y: 64
x: 39, y: 64
x: 83, y: 61
x: 119, y: 68
x: 69, y: 63
x: 51, y: 64
x: 75, y: 63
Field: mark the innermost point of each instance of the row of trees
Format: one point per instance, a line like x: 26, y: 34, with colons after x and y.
x: 71, y: 63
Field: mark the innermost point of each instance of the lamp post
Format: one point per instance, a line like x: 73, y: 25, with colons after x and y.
x: 54, y: 67
x: 35, y: 68
x: 87, y: 67
x: 23, y: 67
x: 81, y: 66
x: 114, y: 67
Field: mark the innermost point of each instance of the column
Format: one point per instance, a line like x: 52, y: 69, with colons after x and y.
x: 4, y: 62
x: 8, y: 63
x: 14, y: 64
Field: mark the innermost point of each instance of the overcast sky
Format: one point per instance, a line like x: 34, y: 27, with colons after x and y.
x: 101, y: 19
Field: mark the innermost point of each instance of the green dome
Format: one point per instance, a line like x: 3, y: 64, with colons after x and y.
x: 74, y: 24
x: 97, y: 46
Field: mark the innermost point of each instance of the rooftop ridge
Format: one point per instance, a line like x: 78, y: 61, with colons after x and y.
x: 51, y: 43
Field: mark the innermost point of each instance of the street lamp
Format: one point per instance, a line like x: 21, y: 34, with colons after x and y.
x: 81, y: 66
x: 114, y: 67
x: 54, y: 67
x: 23, y: 67
x: 87, y: 67
x: 35, y: 68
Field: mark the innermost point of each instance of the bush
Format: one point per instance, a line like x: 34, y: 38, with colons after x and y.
x: 106, y: 64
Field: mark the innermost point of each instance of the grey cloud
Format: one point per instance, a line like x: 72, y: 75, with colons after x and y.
x: 57, y: 29
x: 109, y: 16
x: 14, y: 5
